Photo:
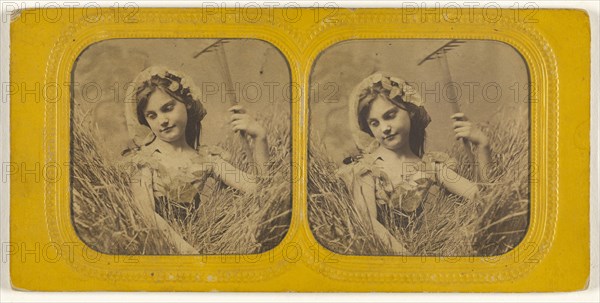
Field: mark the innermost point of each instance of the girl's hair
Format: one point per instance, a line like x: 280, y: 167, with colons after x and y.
x: 419, y: 119
x: 171, y: 85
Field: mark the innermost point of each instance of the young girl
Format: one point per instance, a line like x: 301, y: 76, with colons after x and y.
x: 388, y: 121
x: 171, y: 168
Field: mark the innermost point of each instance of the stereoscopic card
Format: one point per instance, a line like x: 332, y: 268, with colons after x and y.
x: 263, y: 149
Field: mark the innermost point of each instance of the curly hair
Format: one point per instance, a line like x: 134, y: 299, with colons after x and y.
x: 419, y: 118
x: 171, y: 85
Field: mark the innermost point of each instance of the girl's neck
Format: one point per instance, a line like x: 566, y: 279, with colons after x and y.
x: 178, y: 146
x: 404, y: 154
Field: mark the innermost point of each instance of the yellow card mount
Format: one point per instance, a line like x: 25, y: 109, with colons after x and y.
x: 357, y: 150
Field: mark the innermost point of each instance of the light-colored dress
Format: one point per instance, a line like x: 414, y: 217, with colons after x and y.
x: 177, y: 191
x: 398, y: 203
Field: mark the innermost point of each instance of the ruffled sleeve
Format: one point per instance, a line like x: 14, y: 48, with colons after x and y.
x: 143, y: 158
x: 135, y: 160
x: 140, y: 173
x: 357, y: 169
x: 363, y: 168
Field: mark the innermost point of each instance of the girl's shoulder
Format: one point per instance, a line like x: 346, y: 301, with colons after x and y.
x: 368, y: 164
x: 139, y: 156
x: 148, y: 156
x: 359, y: 166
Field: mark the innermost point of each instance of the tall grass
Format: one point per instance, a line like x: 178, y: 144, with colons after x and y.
x: 492, y: 224
x: 227, y: 221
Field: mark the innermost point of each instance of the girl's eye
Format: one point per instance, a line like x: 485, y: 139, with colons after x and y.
x: 169, y: 108
x: 391, y: 115
x: 150, y: 116
x: 374, y: 123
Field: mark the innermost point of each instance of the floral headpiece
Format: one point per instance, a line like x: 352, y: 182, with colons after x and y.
x: 395, y: 86
x: 178, y: 84
x: 396, y: 89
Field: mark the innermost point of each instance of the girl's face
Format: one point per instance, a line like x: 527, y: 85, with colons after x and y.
x: 389, y: 124
x: 166, y: 116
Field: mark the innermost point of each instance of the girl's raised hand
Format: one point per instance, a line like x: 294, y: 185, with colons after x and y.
x: 241, y: 121
x: 465, y: 129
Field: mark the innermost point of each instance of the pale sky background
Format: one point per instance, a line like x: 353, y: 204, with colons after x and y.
x: 104, y: 69
x: 258, y: 66
x: 483, y: 62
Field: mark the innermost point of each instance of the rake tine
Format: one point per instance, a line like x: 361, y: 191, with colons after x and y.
x: 209, y: 48
x: 444, y: 48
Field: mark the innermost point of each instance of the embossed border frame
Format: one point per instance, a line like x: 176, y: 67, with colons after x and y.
x: 541, y: 67
x: 309, y: 267
x: 176, y: 268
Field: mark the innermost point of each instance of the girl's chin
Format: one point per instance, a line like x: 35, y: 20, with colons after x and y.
x: 391, y: 145
x: 170, y: 139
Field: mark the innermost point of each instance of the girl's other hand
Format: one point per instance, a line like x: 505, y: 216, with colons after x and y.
x: 241, y: 121
x: 465, y: 129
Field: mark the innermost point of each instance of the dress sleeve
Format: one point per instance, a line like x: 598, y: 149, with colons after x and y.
x: 365, y: 168
x: 142, y: 158
x: 141, y: 164
x: 355, y: 170
x: 141, y: 181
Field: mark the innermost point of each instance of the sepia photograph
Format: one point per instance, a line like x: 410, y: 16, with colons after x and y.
x: 181, y: 146
x: 382, y: 150
x: 419, y: 148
